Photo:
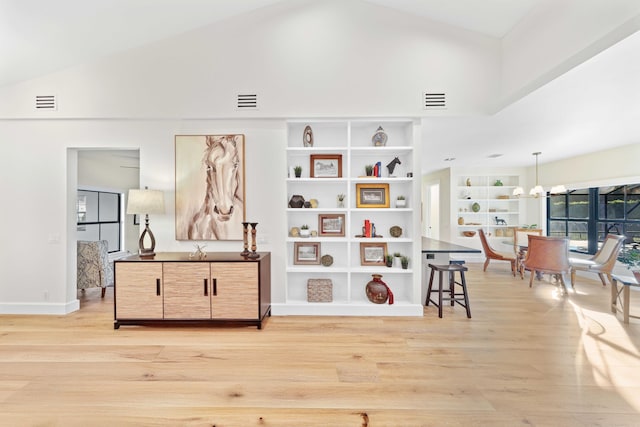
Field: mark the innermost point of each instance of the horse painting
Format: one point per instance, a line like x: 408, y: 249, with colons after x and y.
x: 210, y: 199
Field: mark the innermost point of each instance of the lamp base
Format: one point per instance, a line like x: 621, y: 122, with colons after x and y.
x: 145, y: 252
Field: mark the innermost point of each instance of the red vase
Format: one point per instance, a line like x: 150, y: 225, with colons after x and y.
x: 377, y: 291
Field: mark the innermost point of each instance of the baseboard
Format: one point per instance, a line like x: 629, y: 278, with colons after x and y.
x: 40, y: 308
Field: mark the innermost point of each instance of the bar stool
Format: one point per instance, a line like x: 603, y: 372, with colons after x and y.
x: 454, y: 297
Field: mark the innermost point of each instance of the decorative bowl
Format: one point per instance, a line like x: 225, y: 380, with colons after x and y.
x: 469, y: 233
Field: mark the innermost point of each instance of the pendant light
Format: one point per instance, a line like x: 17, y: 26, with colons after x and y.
x: 537, y: 190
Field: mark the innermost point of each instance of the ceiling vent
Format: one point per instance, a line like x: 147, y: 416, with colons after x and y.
x: 434, y: 101
x: 247, y: 102
x: 46, y: 102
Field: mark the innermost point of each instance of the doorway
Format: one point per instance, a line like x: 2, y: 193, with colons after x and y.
x: 431, y: 210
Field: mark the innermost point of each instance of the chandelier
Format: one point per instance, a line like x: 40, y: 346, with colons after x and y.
x: 538, y: 190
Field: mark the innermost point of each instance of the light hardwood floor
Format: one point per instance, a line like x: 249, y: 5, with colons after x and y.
x: 527, y: 358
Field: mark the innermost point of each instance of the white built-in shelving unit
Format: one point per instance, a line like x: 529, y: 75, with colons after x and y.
x: 496, y: 208
x: 352, y: 139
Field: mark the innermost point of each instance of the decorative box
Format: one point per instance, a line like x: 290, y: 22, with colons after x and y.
x: 319, y: 290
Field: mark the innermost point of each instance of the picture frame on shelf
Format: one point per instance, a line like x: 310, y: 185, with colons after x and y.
x: 325, y: 166
x: 372, y: 195
x: 306, y: 253
x: 331, y: 225
x: 373, y: 253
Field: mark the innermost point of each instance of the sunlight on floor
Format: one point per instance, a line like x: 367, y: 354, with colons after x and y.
x: 610, y: 352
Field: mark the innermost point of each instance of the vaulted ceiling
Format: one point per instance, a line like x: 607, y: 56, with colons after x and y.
x: 593, y: 106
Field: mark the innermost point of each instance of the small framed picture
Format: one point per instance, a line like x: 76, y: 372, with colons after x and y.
x: 331, y: 225
x: 373, y: 253
x: 326, y: 166
x: 306, y: 253
x: 372, y: 195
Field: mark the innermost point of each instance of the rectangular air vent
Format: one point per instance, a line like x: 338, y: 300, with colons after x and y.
x: 247, y: 102
x: 434, y: 101
x: 46, y: 102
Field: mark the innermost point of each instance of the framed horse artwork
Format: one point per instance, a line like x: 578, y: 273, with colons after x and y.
x: 210, y: 194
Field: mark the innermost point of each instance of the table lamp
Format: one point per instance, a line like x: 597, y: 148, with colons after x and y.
x: 146, y: 202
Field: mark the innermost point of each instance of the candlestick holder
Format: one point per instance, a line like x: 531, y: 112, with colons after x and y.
x: 245, y: 236
x: 253, y: 253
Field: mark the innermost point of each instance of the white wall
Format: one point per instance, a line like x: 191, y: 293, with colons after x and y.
x: 607, y: 167
x: 332, y: 58
x: 38, y: 254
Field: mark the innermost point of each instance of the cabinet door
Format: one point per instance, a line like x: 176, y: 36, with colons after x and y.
x: 235, y: 290
x: 139, y: 290
x: 187, y: 290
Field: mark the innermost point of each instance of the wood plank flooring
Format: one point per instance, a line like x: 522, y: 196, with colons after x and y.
x: 528, y: 357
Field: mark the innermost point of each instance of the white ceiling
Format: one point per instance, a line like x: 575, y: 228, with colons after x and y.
x: 592, y: 107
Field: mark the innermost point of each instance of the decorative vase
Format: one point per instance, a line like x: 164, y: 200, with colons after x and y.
x: 305, y: 232
x: 460, y: 220
x: 475, y: 207
x: 468, y: 182
x: 377, y: 291
x: 401, y: 203
x: 379, y: 138
x: 296, y: 201
x: 340, y: 203
x: 307, y: 137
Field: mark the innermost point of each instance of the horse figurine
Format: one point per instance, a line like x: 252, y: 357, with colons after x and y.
x: 500, y: 221
x: 392, y: 165
x: 223, y: 200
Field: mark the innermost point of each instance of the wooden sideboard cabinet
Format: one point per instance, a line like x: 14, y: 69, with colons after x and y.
x: 173, y: 288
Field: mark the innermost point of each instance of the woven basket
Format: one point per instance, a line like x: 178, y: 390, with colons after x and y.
x: 319, y: 290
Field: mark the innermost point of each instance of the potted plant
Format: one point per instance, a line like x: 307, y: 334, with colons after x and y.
x: 631, y: 258
x: 396, y: 258
x: 304, y: 231
x: 388, y: 260
x: 298, y: 171
x: 401, y: 202
x: 404, y: 260
x: 341, y: 200
x: 368, y: 170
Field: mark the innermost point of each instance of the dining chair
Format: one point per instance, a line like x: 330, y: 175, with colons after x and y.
x: 520, y: 244
x: 491, y: 253
x: 548, y: 255
x: 602, y: 262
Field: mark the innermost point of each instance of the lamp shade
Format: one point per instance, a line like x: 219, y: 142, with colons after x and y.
x: 145, y: 202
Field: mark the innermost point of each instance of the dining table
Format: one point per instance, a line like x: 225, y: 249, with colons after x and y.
x: 621, y: 296
x: 439, y: 252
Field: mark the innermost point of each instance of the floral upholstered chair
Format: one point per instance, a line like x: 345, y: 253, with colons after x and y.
x: 94, y: 269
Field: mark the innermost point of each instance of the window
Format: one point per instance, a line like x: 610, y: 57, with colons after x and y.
x: 586, y: 216
x: 99, y: 217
